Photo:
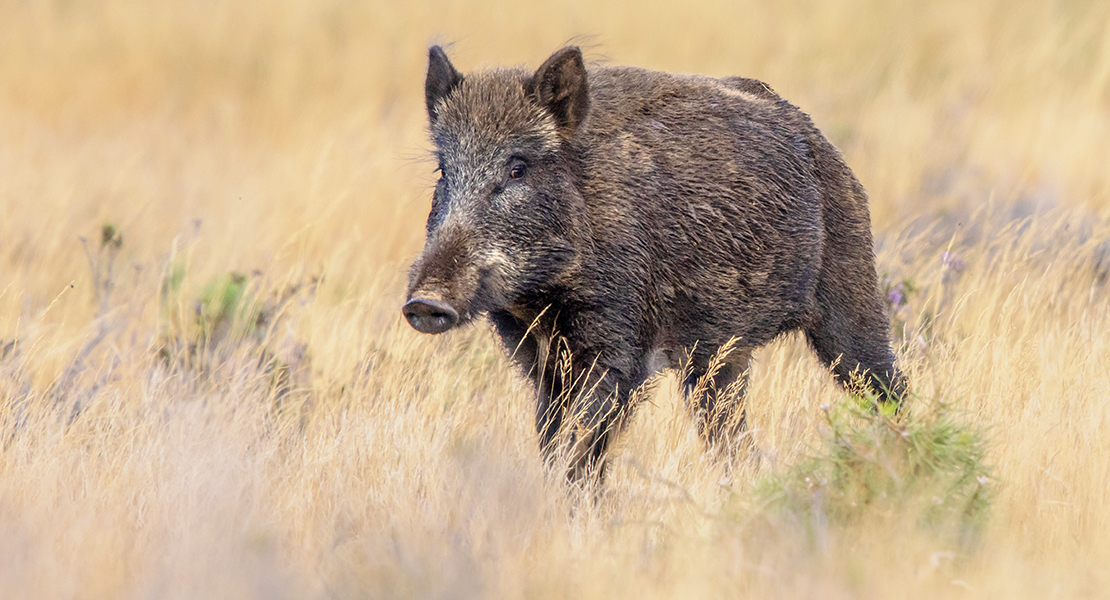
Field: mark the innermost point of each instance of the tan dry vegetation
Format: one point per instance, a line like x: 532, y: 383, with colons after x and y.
x: 334, y: 452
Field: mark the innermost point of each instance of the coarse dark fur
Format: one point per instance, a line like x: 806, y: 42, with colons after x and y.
x: 612, y: 219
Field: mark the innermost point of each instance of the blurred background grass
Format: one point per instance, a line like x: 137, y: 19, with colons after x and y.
x: 284, y: 141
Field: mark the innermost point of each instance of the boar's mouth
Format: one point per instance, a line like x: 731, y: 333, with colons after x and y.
x: 429, y: 316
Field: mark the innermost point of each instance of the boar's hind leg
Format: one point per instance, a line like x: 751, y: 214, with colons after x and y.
x: 848, y: 329
x: 850, y: 336
x: 718, y: 401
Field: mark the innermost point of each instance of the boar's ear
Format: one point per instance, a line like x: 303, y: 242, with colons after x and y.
x: 560, y: 86
x: 442, y: 78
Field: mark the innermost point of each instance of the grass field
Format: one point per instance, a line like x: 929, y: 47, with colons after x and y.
x: 207, y: 390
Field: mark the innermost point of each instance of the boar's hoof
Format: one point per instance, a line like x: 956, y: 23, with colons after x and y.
x: 429, y: 316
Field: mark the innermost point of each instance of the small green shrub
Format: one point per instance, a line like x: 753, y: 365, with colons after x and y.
x: 226, y: 308
x: 232, y: 315
x: 927, y: 466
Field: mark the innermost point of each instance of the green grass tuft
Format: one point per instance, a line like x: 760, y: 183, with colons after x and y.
x: 923, y: 463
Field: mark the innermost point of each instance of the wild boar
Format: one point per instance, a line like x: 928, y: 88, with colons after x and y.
x: 612, y: 220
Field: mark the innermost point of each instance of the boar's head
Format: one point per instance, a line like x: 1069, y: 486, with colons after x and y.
x: 505, y: 213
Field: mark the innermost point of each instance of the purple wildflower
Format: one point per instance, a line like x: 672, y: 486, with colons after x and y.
x: 952, y: 261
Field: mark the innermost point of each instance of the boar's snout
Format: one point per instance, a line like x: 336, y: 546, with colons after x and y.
x: 429, y: 316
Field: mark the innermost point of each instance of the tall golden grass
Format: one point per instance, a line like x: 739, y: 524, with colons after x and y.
x: 330, y: 451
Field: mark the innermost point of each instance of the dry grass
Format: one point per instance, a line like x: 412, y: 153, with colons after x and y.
x: 333, y: 452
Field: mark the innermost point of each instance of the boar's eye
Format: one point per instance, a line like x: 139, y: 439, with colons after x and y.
x: 517, y: 169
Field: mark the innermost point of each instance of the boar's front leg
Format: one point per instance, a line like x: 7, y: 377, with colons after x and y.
x: 592, y: 414
x: 529, y: 346
x: 581, y: 396
x: 715, y: 392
